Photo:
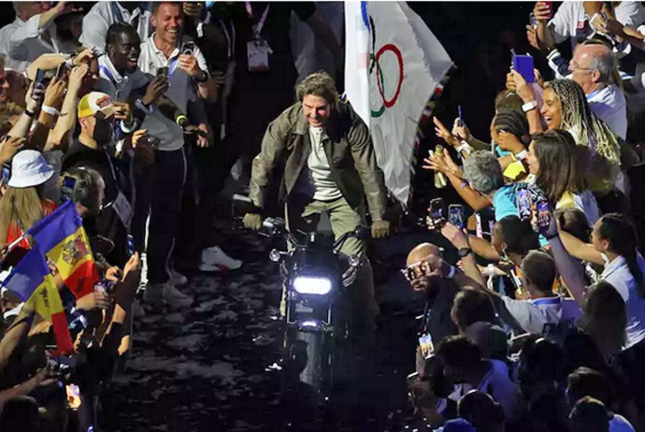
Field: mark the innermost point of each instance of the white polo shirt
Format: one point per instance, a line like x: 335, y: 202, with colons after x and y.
x: 550, y: 317
x: 610, y: 105
x: 21, y: 42
x: 618, y: 275
x: 118, y: 86
x: 105, y: 13
x: 182, y: 90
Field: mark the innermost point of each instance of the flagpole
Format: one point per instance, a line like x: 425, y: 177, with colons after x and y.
x: 13, y: 244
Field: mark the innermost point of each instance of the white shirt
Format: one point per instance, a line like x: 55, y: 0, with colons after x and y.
x: 182, y: 90
x: 21, y: 42
x: 571, y: 20
x: 550, y: 317
x: 610, y: 105
x: 117, y: 86
x: 105, y: 13
x: 326, y: 188
x: 618, y: 275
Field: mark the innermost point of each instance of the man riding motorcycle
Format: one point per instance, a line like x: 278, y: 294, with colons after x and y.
x: 329, y: 166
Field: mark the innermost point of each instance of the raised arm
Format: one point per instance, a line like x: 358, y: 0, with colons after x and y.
x: 67, y: 121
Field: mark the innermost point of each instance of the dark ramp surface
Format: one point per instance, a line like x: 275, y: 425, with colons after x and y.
x: 205, y: 368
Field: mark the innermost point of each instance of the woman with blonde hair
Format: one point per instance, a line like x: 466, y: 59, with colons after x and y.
x: 23, y: 203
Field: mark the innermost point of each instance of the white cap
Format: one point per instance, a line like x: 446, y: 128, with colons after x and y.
x: 28, y: 169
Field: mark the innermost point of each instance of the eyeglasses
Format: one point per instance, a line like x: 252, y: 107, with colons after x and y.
x: 575, y: 66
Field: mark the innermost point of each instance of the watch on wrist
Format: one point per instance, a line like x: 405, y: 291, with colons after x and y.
x: 202, y: 78
x: 464, y: 252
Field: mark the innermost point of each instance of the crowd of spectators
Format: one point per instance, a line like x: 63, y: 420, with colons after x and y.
x: 560, y: 266
x: 136, y: 112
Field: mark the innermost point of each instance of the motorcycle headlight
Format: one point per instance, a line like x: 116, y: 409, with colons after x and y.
x: 312, y: 285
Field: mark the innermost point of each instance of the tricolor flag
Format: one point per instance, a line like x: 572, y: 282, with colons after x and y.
x: 32, y: 281
x: 393, y: 67
x: 63, y: 240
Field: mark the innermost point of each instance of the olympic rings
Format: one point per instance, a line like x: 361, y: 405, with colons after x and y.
x: 380, y: 81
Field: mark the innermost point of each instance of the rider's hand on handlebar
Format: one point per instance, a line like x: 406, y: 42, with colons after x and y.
x: 380, y: 229
x: 252, y: 221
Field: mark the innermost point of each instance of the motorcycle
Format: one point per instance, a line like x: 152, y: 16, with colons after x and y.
x: 315, y: 276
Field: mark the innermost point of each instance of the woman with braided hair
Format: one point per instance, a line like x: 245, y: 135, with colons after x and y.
x: 565, y: 107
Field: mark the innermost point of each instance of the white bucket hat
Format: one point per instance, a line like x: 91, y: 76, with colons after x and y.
x: 28, y: 169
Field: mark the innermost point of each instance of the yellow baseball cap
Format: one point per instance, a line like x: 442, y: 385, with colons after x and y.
x: 94, y: 103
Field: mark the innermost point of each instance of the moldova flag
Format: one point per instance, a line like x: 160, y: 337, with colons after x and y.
x: 63, y: 240
x: 32, y: 281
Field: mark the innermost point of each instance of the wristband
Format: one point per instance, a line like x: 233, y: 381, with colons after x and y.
x: 30, y: 113
x: 529, y: 106
x: 490, y: 270
x: 464, y: 147
x: 49, y: 110
x: 521, y: 155
x: 452, y: 272
x: 128, y: 128
x: 139, y: 104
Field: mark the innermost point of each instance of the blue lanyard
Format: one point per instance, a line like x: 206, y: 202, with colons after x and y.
x: 172, y: 66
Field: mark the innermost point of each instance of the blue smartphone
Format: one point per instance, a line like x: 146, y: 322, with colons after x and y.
x: 67, y: 190
x: 523, y: 64
x: 543, y: 215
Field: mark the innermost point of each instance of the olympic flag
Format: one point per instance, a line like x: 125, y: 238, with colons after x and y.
x: 393, y: 65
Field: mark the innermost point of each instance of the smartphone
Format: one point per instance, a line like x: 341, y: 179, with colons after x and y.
x: 426, y: 346
x: 6, y: 174
x: 73, y: 396
x: 543, y: 215
x: 523, y: 64
x: 436, y: 210
x: 523, y: 197
x: 188, y: 48
x: 456, y: 215
x: 60, y: 72
x: 550, y: 5
x: 162, y: 72
x: 130, y: 245
x: 39, y: 80
x: 67, y: 190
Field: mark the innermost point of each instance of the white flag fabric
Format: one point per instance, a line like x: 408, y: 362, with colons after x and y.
x: 393, y: 64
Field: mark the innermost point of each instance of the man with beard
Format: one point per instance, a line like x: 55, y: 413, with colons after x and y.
x: 92, y: 149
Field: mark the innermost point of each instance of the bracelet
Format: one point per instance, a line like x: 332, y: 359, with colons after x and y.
x: 139, y: 104
x: 452, y: 272
x: 49, y: 110
x: 521, y: 155
x: 529, y: 106
x: 30, y: 113
x: 128, y: 128
x: 464, y: 147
